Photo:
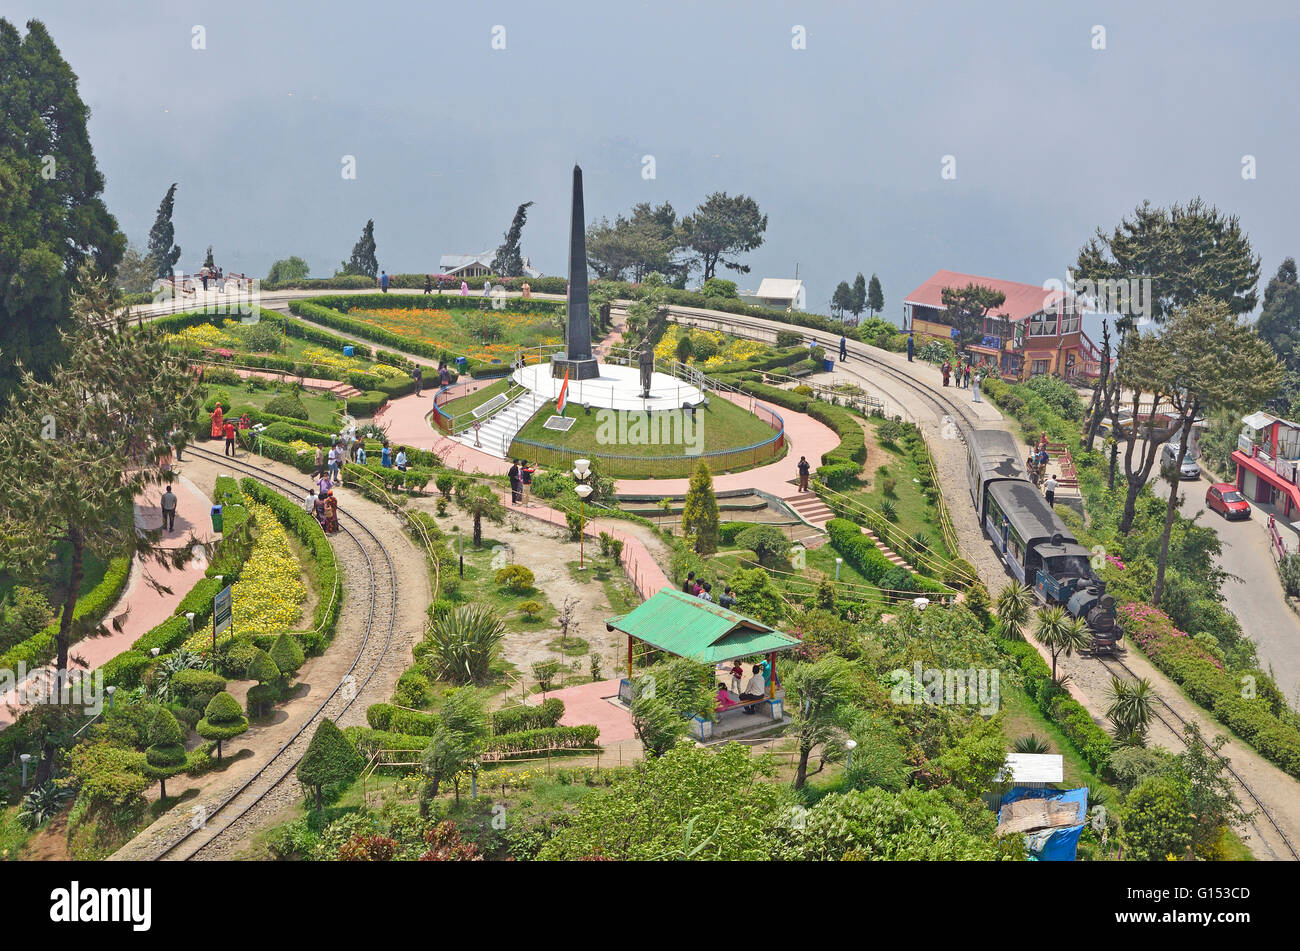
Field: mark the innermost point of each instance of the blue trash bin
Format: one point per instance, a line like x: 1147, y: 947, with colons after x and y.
x: 349, y: 350
x: 460, y: 361
x: 828, y: 364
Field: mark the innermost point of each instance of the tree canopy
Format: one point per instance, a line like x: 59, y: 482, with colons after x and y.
x: 722, y: 227
x: 363, y: 260
x: 509, y: 262
x: 52, y: 217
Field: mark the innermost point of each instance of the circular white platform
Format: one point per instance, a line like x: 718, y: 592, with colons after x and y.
x: 616, y: 388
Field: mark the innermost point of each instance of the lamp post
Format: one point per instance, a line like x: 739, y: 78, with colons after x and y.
x: 849, y: 745
x: 838, y: 562
x: 110, y: 690
x: 582, y: 472
x: 26, y: 758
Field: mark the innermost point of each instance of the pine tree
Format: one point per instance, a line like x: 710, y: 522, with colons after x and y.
x: 700, y: 511
x: 875, y: 296
x: 858, y: 302
x: 208, y: 261
x: 330, y: 760
x: 52, y: 217
x: 842, y: 299
x: 363, y: 260
x: 82, y: 448
x: 508, y: 261
x: 162, y: 252
x: 1279, y: 319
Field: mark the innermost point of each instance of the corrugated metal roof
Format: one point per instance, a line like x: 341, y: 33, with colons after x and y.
x: 688, y: 627
x: 779, y: 287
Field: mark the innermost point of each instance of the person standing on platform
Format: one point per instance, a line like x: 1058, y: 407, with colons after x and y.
x: 230, y: 438
x: 844, y: 348
x: 1049, y: 490
x: 804, y: 468
x: 911, y: 346
x: 975, y: 385
x: 946, y: 370
x: 418, y: 374
x: 383, y: 281
x: 516, y: 483
x: 428, y: 284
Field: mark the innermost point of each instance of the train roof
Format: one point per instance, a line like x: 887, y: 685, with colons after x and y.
x: 1028, y: 512
x: 998, y: 454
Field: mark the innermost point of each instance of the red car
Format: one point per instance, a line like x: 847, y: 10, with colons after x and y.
x: 1227, y: 501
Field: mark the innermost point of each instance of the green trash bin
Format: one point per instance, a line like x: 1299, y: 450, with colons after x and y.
x: 216, y: 519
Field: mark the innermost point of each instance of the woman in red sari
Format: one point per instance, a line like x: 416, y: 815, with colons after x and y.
x: 218, y: 423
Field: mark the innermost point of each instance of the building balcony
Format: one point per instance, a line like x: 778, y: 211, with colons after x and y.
x: 1286, y: 468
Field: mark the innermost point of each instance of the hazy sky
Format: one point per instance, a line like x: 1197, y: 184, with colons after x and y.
x: 840, y: 143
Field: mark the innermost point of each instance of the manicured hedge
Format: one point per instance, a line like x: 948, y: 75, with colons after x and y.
x: 1092, y: 742
x: 523, y: 743
x: 839, y: 475
x: 870, y: 562
x: 42, y: 646
x: 389, y: 718
x: 324, y: 568
x: 728, y: 531
x: 1202, y: 676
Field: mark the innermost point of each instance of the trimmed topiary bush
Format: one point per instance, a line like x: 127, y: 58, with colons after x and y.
x: 287, y: 405
x: 222, y: 720
x: 515, y: 578
x: 263, y: 669
x: 287, y: 655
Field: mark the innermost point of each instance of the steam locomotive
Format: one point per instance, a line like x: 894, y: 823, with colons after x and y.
x: 1034, y: 544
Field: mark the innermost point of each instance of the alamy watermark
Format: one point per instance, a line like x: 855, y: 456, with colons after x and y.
x: 1128, y: 296
x: 45, y: 687
x: 977, y: 687
x: 668, y: 427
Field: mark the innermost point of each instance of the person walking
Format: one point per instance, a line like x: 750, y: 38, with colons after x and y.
x: 487, y: 288
x: 975, y: 385
x: 965, y: 376
x: 844, y: 349
x: 383, y: 281
x: 911, y: 346
x: 428, y: 284
x: 418, y: 374
x: 1049, y: 489
x: 334, y: 463
x: 464, y: 289
x: 444, y: 375
x: 804, y: 468
x: 230, y: 438
x: 386, y: 456
x: 169, y: 510
x: 309, y: 503
x: 946, y: 370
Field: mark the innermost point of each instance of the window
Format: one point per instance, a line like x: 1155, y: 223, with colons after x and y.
x: 1039, y: 368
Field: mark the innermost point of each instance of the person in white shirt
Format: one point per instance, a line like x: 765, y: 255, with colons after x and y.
x: 309, y: 503
x: 1049, y: 489
x: 756, y: 689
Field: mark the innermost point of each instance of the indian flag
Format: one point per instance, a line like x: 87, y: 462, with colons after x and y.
x: 564, y: 395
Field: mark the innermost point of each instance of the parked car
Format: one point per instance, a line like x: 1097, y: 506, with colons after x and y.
x: 1227, y: 501
x: 1169, y: 456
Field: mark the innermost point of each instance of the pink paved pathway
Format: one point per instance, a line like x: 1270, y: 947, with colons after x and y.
x: 586, y: 703
x: 141, y: 607
x: 406, y: 421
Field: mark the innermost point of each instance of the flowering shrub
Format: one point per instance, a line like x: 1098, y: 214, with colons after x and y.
x: 725, y: 349
x: 1153, y: 631
x: 265, y: 599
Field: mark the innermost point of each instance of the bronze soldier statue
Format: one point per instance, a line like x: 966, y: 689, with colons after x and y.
x: 647, y: 364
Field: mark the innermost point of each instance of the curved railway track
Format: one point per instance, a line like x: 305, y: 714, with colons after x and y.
x: 965, y: 426
x: 202, y: 836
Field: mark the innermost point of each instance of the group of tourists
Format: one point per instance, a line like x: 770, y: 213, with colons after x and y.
x: 1036, y: 463
x: 521, y: 476
x: 966, y: 376
x: 214, y: 274
x: 704, y: 591
x: 321, y: 504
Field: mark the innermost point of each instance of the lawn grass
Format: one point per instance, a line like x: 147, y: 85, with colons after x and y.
x: 470, y: 401
x: 721, y: 427
x: 458, y: 329
x: 914, y: 511
x: 321, y: 410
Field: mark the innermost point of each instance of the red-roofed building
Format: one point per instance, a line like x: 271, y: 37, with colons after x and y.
x: 1034, y: 331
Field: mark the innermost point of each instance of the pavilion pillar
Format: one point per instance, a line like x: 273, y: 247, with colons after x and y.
x: 629, y: 661
x: 771, y: 681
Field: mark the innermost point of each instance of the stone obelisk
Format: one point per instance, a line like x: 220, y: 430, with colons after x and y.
x: 577, y: 359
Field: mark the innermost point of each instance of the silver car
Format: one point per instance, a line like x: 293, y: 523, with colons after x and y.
x: 1189, y: 470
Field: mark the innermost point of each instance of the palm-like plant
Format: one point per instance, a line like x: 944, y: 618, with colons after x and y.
x: 463, y: 644
x: 1060, y: 634
x: 1031, y: 744
x: 1015, y: 601
x: 480, y: 503
x: 1130, y: 710
x: 162, y: 677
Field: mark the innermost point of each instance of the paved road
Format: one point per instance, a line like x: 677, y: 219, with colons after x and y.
x: 1255, y: 594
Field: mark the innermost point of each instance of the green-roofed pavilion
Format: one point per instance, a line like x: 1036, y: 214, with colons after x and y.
x: 684, y: 625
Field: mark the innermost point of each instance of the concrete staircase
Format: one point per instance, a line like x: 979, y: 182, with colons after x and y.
x: 497, y: 431
x: 809, y: 507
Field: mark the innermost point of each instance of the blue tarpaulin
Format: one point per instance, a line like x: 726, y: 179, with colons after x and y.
x: 1051, y: 845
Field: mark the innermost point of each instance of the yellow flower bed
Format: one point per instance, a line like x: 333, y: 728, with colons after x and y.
x: 203, y: 336
x: 328, y: 358
x: 730, y: 349
x: 266, y: 598
x: 387, y: 372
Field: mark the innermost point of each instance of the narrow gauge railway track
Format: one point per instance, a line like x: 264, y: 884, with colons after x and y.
x: 272, y: 775
x: 1261, y: 810
x: 965, y: 426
